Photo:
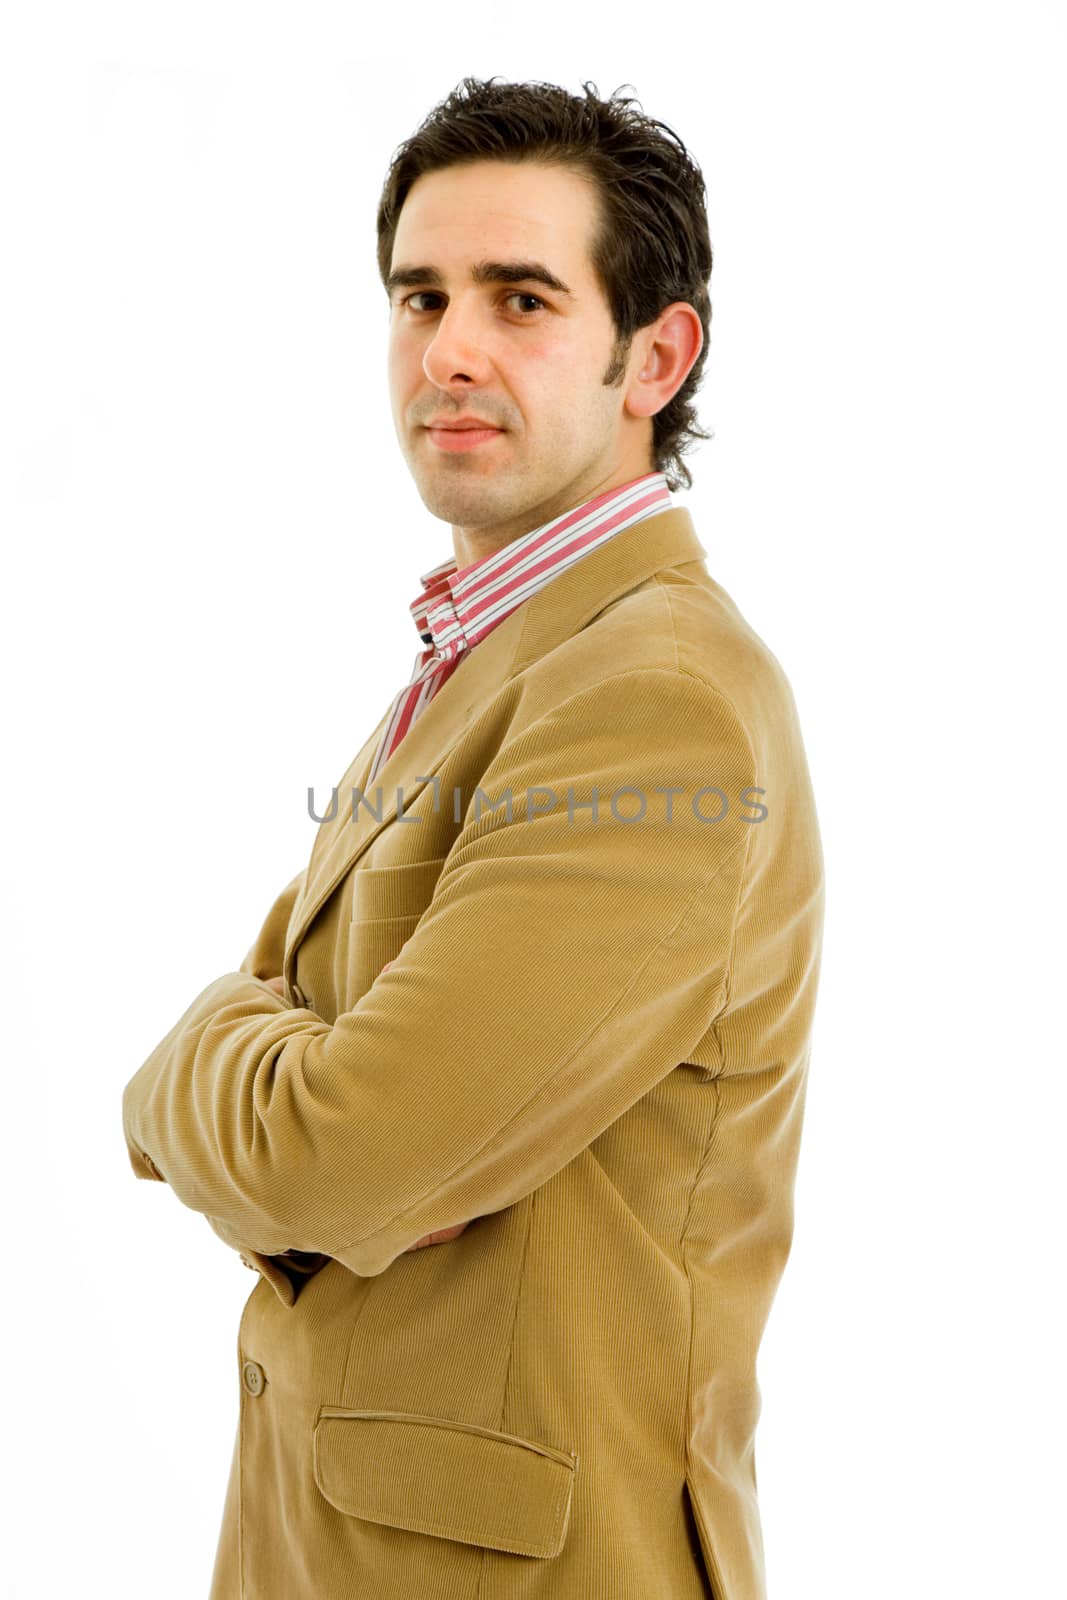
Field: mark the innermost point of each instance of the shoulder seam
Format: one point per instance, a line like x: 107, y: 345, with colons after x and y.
x: 685, y: 672
x: 676, y: 671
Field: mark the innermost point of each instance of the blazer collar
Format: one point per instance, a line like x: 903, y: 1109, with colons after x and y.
x: 538, y: 625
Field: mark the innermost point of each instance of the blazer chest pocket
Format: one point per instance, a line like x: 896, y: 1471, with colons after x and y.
x: 387, y: 906
x: 451, y: 1479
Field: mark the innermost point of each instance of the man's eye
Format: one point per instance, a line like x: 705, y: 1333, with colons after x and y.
x: 520, y: 295
x: 517, y: 294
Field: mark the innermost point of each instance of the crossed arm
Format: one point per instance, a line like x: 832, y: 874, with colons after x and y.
x: 443, y: 1234
x: 568, y: 960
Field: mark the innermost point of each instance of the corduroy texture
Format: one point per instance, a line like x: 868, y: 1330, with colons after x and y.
x: 593, y: 1039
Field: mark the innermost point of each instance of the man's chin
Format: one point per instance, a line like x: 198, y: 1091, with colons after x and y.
x: 462, y: 505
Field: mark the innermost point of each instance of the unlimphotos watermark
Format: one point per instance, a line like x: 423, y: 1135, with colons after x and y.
x: 704, y: 809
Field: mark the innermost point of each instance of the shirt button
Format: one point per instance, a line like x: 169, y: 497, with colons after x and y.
x: 253, y: 1376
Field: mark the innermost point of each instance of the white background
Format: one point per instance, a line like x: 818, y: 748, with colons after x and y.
x: 207, y: 519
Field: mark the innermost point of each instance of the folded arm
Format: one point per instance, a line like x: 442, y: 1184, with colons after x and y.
x: 565, y: 965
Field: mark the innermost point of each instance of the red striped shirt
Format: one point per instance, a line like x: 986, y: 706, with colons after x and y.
x: 458, y: 607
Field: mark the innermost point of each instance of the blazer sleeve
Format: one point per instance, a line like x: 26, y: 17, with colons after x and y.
x: 569, y: 959
x: 264, y: 960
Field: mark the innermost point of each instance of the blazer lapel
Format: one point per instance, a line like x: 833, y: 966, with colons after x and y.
x: 341, y: 840
x: 535, y: 627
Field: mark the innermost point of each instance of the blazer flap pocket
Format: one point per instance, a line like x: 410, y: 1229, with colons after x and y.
x: 447, y: 1478
x: 394, y: 891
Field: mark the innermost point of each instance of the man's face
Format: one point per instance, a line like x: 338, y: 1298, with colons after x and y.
x: 524, y: 356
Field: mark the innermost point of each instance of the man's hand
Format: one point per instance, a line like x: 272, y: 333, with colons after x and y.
x: 439, y: 1237
x: 277, y: 984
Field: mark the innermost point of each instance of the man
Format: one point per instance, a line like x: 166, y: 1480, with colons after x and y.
x: 543, y: 995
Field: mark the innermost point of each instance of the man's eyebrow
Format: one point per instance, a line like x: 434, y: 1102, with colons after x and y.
x: 481, y: 272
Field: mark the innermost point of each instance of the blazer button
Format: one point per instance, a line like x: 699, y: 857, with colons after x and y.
x: 299, y: 997
x: 253, y: 1376
x: 248, y: 1263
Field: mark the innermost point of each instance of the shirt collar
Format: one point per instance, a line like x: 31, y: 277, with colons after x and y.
x: 458, y: 606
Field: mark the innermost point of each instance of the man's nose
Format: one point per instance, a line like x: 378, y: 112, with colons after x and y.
x: 458, y: 347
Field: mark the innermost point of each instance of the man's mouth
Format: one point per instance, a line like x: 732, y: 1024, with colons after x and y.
x: 466, y: 436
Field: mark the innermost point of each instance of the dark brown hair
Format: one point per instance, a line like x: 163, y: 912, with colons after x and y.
x: 651, y: 244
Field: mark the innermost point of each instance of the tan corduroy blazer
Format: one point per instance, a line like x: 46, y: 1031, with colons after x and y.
x: 593, y: 1040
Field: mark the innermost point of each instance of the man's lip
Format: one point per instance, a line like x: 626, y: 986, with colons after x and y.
x: 462, y: 427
